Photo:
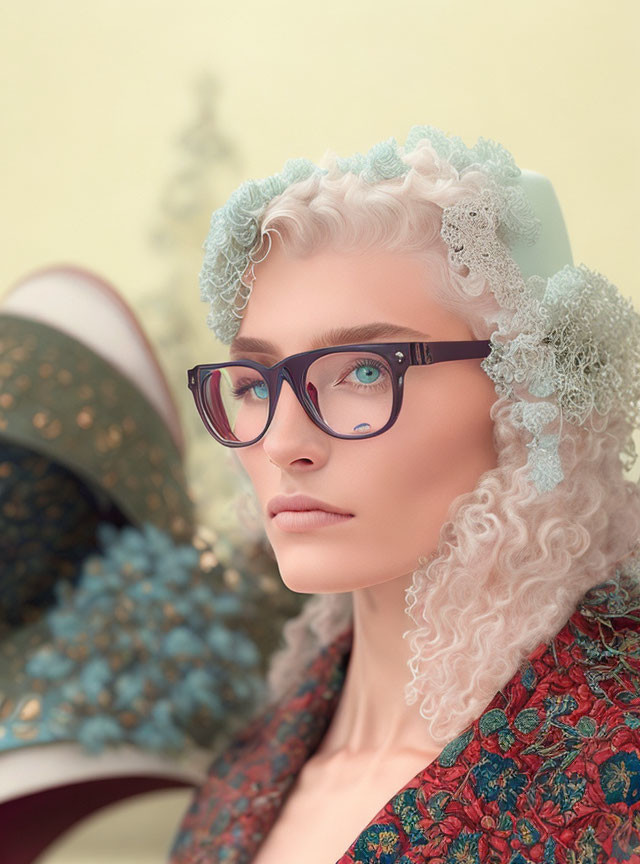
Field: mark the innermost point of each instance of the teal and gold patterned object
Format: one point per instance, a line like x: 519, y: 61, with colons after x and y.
x: 150, y: 648
x: 48, y: 526
x: 121, y: 620
x: 62, y: 400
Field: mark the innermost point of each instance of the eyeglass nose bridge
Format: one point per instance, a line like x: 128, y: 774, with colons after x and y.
x: 294, y: 377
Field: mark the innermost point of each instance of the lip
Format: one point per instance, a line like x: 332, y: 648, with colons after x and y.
x: 298, y: 521
x: 301, y: 502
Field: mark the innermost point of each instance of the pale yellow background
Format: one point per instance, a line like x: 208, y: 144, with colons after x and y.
x: 96, y: 97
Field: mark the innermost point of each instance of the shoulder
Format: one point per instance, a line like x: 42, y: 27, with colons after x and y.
x: 551, y: 769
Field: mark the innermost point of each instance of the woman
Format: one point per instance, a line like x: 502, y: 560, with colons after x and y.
x: 494, y: 718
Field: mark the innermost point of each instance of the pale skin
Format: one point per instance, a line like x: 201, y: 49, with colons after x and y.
x: 398, y: 486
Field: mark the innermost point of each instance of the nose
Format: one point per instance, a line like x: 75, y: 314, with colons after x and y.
x: 292, y: 434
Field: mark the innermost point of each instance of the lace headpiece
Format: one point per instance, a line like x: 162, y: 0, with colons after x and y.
x: 567, y: 345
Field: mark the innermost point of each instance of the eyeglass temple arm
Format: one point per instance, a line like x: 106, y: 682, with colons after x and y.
x: 424, y: 353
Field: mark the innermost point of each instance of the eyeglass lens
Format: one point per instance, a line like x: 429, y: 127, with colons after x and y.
x: 352, y: 393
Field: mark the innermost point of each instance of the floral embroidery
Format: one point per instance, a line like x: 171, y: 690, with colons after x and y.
x: 464, y: 849
x: 404, y: 805
x: 498, y: 779
x: 378, y: 843
x: 620, y: 778
x: 549, y: 774
x: 527, y: 832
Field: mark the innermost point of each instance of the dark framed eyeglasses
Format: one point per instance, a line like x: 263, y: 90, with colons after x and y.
x: 349, y: 391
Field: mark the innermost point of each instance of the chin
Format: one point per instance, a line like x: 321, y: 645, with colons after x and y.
x: 331, y: 579
x: 307, y: 583
x: 309, y: 564
x: 318, y: 576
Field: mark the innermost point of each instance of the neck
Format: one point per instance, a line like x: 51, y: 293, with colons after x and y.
x: 372, y: 715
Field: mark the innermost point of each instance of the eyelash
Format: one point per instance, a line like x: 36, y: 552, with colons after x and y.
x: 241, y: 389
x: 377, y: 364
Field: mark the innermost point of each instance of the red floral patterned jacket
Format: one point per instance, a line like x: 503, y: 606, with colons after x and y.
x: 549, y: 773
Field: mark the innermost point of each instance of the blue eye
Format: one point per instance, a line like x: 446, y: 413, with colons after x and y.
x: 258, y: 389
x: 370, y: 373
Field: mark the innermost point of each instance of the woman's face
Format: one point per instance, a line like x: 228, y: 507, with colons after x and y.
x: 398, y: 485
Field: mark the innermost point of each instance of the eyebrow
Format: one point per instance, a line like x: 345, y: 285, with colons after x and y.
x: 335, y: 336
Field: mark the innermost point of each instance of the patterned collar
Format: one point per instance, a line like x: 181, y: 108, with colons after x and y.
x: 550, y: 772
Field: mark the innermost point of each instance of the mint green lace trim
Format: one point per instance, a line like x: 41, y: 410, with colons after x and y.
x: 571, y: 340
x: 226, y: 277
